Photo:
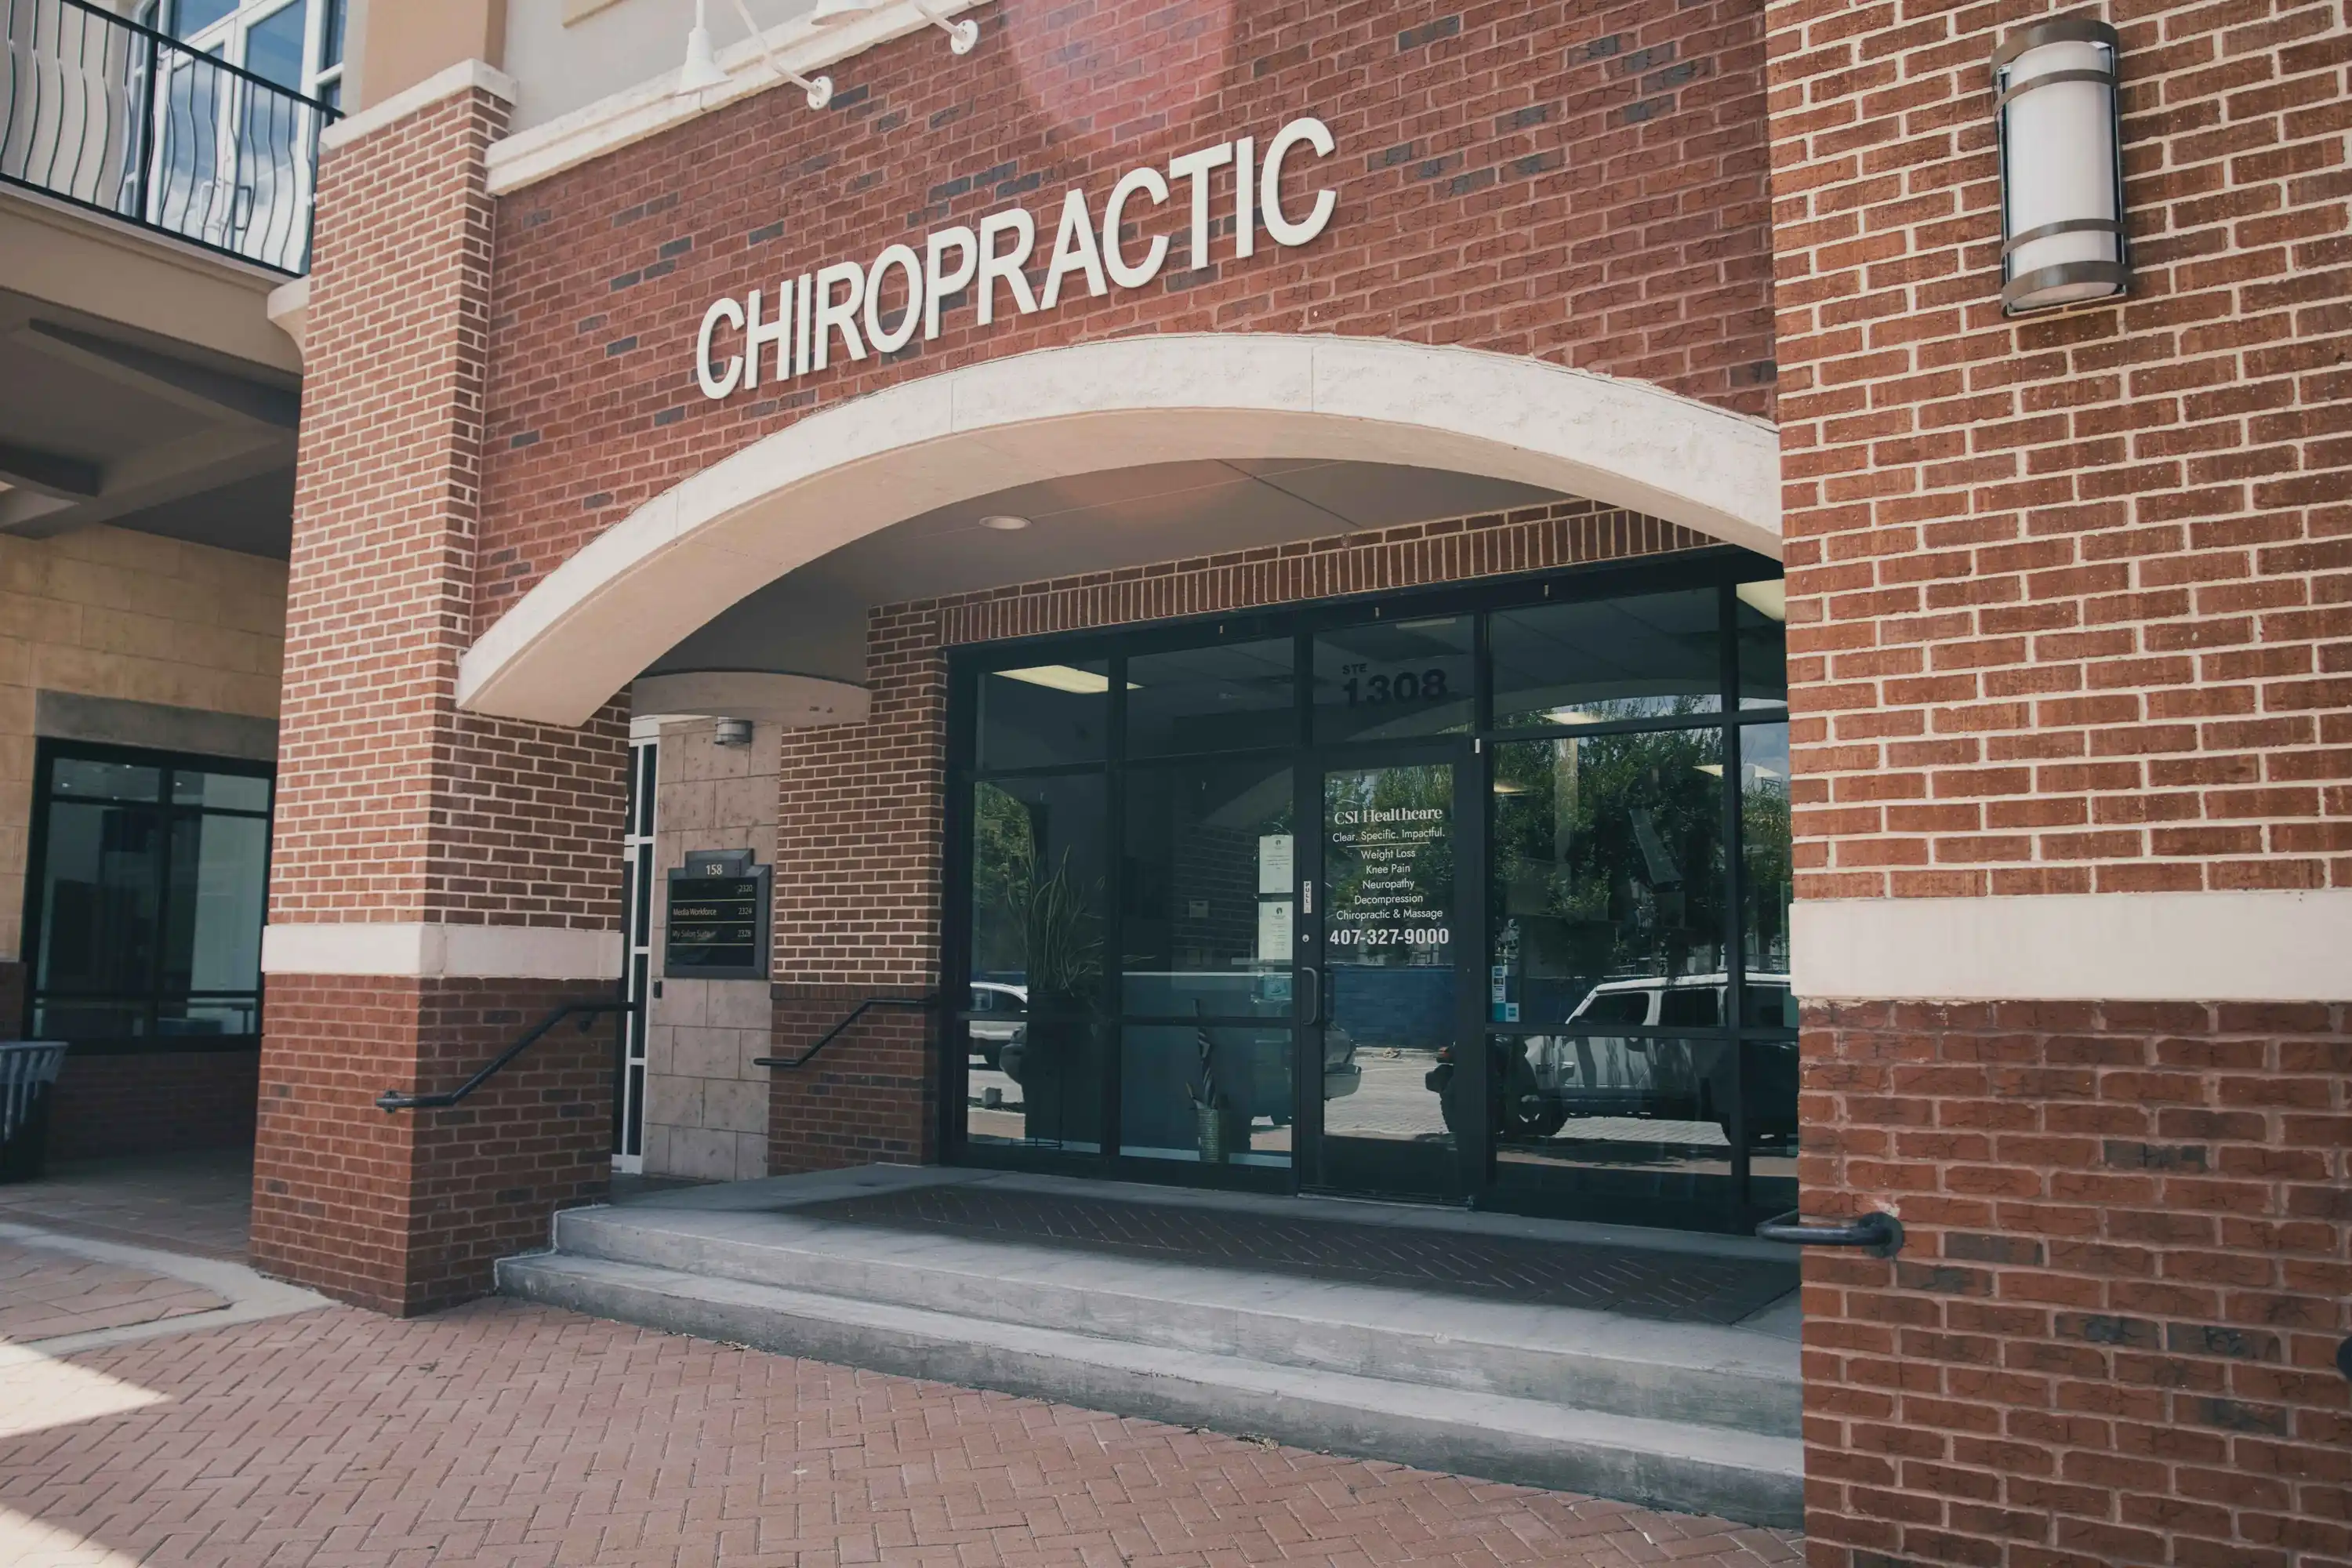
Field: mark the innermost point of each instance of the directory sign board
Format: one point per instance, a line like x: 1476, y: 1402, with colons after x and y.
x: 717, y: 924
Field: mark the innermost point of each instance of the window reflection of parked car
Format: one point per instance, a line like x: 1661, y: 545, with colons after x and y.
x: 1551, y: 1077
x: 998, y: 1018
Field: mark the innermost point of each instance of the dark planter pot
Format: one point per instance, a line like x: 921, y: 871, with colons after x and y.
x: 1062, y: 1081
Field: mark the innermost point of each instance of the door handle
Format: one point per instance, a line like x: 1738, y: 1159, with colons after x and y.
x: 1310, y: 980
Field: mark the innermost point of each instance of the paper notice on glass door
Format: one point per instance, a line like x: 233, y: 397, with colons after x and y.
x: 1275, y: 931
x: 1274, y: 863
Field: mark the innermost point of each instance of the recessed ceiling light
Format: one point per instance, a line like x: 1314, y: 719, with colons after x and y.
x: 1769, y: 598
x: 1004, y: 523
x: 1060, y: 677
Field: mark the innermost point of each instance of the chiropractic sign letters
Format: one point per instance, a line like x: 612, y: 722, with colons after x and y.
x: 810, y: 319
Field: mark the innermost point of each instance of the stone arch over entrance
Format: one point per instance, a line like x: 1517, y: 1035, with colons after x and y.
x: 594, y: 622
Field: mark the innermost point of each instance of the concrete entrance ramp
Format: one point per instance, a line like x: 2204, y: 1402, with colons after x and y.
x: 1653, y: 1367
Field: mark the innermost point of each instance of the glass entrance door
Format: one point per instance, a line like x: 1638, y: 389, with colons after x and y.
x: 1389, y: 992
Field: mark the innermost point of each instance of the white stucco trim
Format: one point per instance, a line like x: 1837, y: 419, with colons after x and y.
x: 633, y: 592
x: 446, y: 82
x: 418, y: 949
x: 653, y: 105
x: 290, y: 310
x: 2093, y: 947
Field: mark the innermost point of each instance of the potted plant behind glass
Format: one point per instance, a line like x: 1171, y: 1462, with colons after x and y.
x: 1222, y: 1128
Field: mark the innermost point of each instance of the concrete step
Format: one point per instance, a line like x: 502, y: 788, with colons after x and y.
x: 1680, y: 1464
x: 1696, y: 1373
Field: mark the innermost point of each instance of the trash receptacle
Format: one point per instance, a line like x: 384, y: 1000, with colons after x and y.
x: 28, y: 1068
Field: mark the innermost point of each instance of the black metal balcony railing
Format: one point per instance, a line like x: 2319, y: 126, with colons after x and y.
x: 125, y: 121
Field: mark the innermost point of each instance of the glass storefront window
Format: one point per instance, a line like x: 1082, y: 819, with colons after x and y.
x: 83, y: 779
x: 1038, y: 1083
x: 1208, y: 891
x: 1044, y: 715
x: 211, y: 923
x: 222, y: 792
x: 1038, y: 890
x: 1760, y: 613
x: 1545, y: 963
x: 1232, y: 697
x: 1655, y: 655
x: 100, y: 899
x: 1218, y: 1094
x: 1393, y: 679
x: 1039, y: 896
x: 1607, y: 877
x: 1768, y: 873
x: 148, y: 905
x: 1623, y: 1117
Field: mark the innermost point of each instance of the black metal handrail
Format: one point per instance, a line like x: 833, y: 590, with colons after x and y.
x: 123, y: 119
x: 1880, y: 1235
x: 392, y: 1100
x: 838, y: 1029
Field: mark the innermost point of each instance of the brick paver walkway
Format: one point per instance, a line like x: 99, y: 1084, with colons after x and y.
x: 504, y: 1433
x: 43, y: 1294
x: 197, y: 1203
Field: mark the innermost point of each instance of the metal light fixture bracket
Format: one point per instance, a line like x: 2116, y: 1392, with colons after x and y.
x: 962, y: 36
x: 818, y: 89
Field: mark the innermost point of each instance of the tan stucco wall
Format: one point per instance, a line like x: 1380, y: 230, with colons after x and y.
x: 399, y: 43
x: 104, y: 612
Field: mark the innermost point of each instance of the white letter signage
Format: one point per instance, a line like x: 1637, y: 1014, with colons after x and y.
x: 824, y: 310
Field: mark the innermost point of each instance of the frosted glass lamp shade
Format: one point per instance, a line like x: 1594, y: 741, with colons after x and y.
x: 2061, y: 134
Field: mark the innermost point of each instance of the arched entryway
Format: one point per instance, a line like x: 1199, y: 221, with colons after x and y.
x: 839, y: 475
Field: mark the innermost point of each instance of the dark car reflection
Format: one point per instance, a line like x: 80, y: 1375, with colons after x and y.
x: 1538, y: 1083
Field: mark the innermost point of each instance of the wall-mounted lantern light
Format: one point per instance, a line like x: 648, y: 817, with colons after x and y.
x: 2060, y: 126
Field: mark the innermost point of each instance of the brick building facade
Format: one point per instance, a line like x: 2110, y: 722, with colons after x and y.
x: 1613, y: 300
x: 2068, y: 598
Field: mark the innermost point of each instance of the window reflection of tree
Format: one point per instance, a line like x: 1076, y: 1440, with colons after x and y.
x: 1765, y: 847
x: 1037, y: 921
x: 1610, y: 850
x: 1037, y: 915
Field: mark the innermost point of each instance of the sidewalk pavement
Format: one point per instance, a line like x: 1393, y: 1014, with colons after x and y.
x: 507, y: 1434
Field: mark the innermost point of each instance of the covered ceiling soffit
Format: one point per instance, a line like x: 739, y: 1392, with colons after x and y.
x: 103, y: 426
x: 614, y: 608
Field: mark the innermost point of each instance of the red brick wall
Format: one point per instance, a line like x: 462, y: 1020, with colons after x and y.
x: 2069, y: 597
x: 405, y: 1212
x: 868, y: 1099
x: 152, y: 1104
x: 392, y: 806
x: 2071, y: 612
x: 2110, y: 1337
x: 1583, y: 183
x: 862, y: 814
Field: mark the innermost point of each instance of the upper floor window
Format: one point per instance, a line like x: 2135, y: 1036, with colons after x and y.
x: 296, y: 43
